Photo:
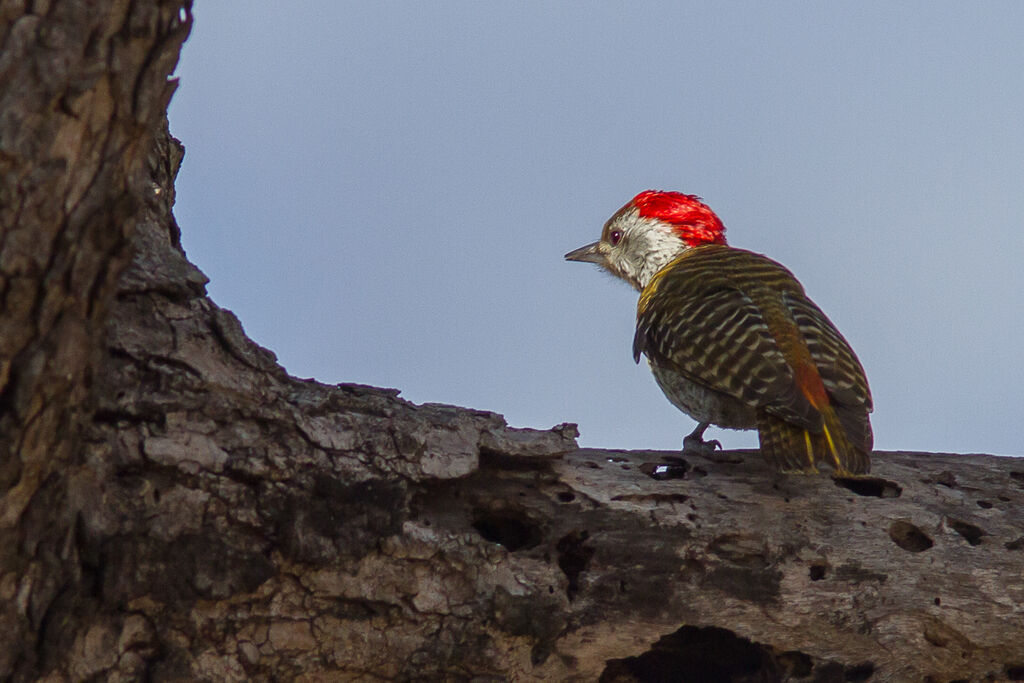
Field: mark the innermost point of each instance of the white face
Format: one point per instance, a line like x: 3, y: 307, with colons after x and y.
x: 636, y: 248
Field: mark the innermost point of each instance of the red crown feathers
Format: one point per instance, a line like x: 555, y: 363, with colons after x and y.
x: 692, y: 219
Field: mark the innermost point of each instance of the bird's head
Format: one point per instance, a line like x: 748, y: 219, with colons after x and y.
x: 648, y: 232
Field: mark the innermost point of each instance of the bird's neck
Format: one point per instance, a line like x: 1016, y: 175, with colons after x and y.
x: 660, y: 255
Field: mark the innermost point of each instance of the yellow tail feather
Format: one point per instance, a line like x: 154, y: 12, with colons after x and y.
x: 795, y: 449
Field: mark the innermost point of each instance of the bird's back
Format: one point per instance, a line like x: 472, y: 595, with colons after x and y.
x: 739, y: 323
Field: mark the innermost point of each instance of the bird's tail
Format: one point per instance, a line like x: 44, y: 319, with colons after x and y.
x: 795, y: 449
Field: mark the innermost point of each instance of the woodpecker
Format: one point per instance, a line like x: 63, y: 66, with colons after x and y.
x: 733, y: 340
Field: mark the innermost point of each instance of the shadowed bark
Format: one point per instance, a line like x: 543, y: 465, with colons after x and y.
x: 176, y: 507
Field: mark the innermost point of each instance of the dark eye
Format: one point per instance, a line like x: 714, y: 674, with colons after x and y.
x: 614, y: 237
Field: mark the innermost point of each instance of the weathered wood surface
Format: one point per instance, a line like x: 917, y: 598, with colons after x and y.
x: 191, y: 512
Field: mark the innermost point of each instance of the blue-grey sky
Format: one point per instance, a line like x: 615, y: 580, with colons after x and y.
x: 383, y: 192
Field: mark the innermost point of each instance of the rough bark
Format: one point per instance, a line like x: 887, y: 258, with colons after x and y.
x: 176, y: 507
x: 83, y: 90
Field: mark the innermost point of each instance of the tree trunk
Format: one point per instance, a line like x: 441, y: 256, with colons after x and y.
x: 83, y: 91
x: 176, y: 507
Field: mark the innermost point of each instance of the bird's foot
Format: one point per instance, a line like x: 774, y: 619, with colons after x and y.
x: 695, y: 445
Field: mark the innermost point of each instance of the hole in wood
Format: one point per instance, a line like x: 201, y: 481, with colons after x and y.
x: 971, y: 533
x: 700, y: 654
x: 818, y: 572
x: 909, y: 537
x: 1015, y: 545
x: 566, y: 496
x: 870, y: 486
x: 984, y: 505
x: 507, y: 529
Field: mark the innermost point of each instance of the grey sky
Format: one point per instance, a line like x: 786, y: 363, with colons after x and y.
x: 383, y: 192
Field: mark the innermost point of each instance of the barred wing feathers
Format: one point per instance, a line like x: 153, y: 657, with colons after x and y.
x: 740, y: 323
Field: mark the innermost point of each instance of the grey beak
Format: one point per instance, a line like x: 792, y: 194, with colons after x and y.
x: 590, y: 253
